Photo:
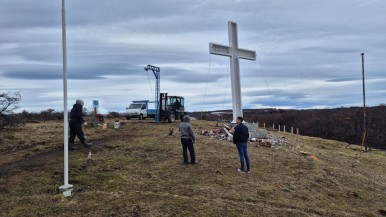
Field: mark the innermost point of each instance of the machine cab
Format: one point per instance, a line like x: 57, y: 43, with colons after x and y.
x: 176, y: 103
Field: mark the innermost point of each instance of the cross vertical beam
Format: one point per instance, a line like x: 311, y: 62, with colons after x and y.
x: 234, y: 53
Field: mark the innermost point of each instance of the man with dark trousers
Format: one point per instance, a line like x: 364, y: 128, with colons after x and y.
x: 240, y: 138
x: 176, y: 107
x: 76, y: 125
x: 187, y: 140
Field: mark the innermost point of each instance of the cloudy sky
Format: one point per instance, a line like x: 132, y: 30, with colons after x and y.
x: 308, y: 52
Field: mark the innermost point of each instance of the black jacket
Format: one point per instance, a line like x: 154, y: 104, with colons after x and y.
x: 77, y: 114
x: 241, y: 134
x: 176, y: 105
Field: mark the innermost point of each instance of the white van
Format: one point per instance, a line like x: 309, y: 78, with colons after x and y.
x: 139, y: 109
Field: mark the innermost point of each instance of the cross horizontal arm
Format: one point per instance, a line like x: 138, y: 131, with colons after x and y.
x: 246, y: 54
x: 220, y: 49
x: 224, y: 50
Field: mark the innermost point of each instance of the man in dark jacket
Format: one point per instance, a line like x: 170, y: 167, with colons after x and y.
x: 76, y: 125
x: 176, y: 107
x: 240, y: 138
x: 187, y: 140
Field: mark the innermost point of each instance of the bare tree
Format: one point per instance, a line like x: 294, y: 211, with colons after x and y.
x: 8, y: 103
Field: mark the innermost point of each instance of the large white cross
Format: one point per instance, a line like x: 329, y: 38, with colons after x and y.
x: 234, y: 52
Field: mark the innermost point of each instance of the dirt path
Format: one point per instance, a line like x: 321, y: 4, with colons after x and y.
x: 30, y: 163
x: 37, y: 161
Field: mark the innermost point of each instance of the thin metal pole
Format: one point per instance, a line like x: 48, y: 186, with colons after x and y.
x: 66, y: 188
x: 157, y: 95
x: 64, y: 39
x: 364, y: 104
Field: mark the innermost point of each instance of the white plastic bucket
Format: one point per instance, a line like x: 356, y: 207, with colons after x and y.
x: 117, y: 125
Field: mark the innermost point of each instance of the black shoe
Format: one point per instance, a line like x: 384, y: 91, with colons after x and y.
x: 87, y: 144
x: 72, y: 147
x: 195, y: 162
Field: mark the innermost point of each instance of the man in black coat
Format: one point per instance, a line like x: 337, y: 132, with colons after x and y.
x: 76, y: 125
x: 176, y: 107
x: 240, y: 138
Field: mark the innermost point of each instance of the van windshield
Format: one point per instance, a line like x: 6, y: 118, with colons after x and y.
x: 135, y: 106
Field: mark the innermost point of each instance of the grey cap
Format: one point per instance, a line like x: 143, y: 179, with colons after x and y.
x: 79, y: 102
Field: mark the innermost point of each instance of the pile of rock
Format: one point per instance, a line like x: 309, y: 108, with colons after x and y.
x: 220, y: 134
x: 258, y: 137
x: 271, y: 141
x: 226, y: 132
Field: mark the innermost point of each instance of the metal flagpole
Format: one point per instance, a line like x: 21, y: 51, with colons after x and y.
x: 66, y: 188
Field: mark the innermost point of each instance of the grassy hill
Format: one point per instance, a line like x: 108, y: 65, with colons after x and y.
x: 137, y: 170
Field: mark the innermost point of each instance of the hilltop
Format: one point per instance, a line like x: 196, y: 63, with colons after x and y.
x: 137, y: 171
x: 342, y: 124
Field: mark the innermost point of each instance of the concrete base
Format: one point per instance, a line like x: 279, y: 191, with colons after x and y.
x: 66, y: 190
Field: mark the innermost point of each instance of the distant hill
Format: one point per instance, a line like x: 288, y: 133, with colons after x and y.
x: 343, y: 124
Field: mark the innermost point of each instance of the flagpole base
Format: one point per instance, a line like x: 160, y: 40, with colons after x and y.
x: 66, y: 190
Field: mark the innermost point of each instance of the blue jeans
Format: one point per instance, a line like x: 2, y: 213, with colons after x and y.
x: 243, y: 152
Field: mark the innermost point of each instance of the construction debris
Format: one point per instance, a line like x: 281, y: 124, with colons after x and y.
x: 255, y: 132
x: 229, y: 134
x: 308, y: 155
x: 258, y: 137
x: 220, y: 134
x: 89, y: 155
x: 350, y: 194
x: 271, y: 141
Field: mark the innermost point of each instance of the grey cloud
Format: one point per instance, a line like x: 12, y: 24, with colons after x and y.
x: 333, y: 50
x: 295, y: 40
x: 47, y: 72
x: 187, y: 76
x: 276, y: 93
x: 212, y: 101
x: 26, y: 14
x: 342, y: 79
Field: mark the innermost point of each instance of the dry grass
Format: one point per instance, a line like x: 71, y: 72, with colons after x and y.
x: 137, y: 171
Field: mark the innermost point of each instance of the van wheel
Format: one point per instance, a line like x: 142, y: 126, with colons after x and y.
x: 171, y: 118
x: 140, y: 117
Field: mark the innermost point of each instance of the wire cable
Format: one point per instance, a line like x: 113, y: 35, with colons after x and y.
x: 206, y: 87
x: 151, y: 89
x: 265, y: 80
x: 226, y: 87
